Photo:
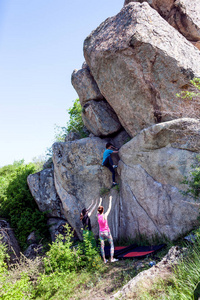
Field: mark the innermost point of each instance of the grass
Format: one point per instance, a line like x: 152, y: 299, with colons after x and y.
x: 184, y: 283
x: 103, y: 191
x: 28, y: 280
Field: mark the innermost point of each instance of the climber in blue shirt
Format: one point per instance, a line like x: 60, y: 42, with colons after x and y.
x: 107, y: 160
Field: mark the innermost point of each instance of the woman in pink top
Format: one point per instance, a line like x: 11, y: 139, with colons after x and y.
x: 104, y: 230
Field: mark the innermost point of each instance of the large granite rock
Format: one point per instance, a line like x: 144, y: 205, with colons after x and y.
x: 164, y: 7
x: 152, y: 166
x: 8, y: 238
x: 139, y: 63
x: 43, y: 190
x: 184, y: 15
x: 56, y: 227
x: 100, y: 119
x: 85, y: 85
x: 80, y: 178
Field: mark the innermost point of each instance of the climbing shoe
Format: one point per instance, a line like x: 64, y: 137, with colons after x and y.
x: 114, y: 260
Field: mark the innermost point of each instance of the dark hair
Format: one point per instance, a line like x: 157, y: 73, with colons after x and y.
x: 83, y: 212
x: 108, y: 145
x: 100, y: 209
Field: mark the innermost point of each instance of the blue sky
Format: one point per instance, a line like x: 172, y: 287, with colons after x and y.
x: 41, y: 43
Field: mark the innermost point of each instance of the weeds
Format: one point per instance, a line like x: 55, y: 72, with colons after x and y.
x: 103, y: 191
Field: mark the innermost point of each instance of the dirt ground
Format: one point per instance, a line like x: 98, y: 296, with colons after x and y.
x: 115, y: 276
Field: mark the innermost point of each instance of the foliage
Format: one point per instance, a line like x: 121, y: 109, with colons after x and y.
x: 183, y: 284
x: 17, y: 203
x: 103, y: 191
x: 90, y: 257
x: 191, y: 94
x: 38, y: 162
x: 3, y: 256
x: 18, y: 289
x: 75, y: 123
x: 58, y: 285
x: 193, y: 180
x: 117, y: 188
x: 63, y: 257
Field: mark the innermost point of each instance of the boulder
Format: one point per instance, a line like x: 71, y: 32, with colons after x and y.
x: 7, y: 237
x: 163, y: 7
x: 119, y: 139
x: 99, y: 118
x: 139, y: 63
x: 48, y: 164
x: 80, y: 178
x: 31, y: 239
x: 72, y: 136
x: 85, y: 85
x: 42, y: 188
x: 184, y: 15
x: 56, y: 227
x: 153, y: 165
x: 33, y: 251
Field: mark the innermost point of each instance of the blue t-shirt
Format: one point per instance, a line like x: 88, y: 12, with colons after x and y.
x: 106, y: 153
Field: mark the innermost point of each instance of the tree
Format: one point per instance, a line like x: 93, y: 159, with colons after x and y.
x: 17, y: 204
x: 75, y: 123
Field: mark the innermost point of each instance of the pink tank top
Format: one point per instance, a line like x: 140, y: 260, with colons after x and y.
x: 103, y: 224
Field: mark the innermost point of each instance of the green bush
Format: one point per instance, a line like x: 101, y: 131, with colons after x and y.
x: 182, y: 284
x: 19, y: 289
x: 90, y: 258
x: 57, y: 285
x: 17, y: 204
x: 63, y: 256
x: 3, y: 256
x: 195, y: 83
x: 75, y: 124
x: 193, y: 180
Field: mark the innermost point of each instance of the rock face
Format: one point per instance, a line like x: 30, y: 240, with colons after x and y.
x: 56, y: 227
x: 43, y: 190
x: 136, y: 62
x: 139, y: 67
x: 79, y: 178
x: 151, y: 168
x: 184, y: 15
x: 164, y: 7
x: 8, y: 238
x: 100, y: 119
x: 85, y: 85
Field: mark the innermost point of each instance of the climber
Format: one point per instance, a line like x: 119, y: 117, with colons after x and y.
x: 107, y: 160
x: 85, y: 216
x: 87, y: 229
x: 104, y: 230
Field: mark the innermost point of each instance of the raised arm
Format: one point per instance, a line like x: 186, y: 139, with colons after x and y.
x: 90, y: 205
x: 92, y: 208
x: 100, y: 201
x: 109, y: 207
